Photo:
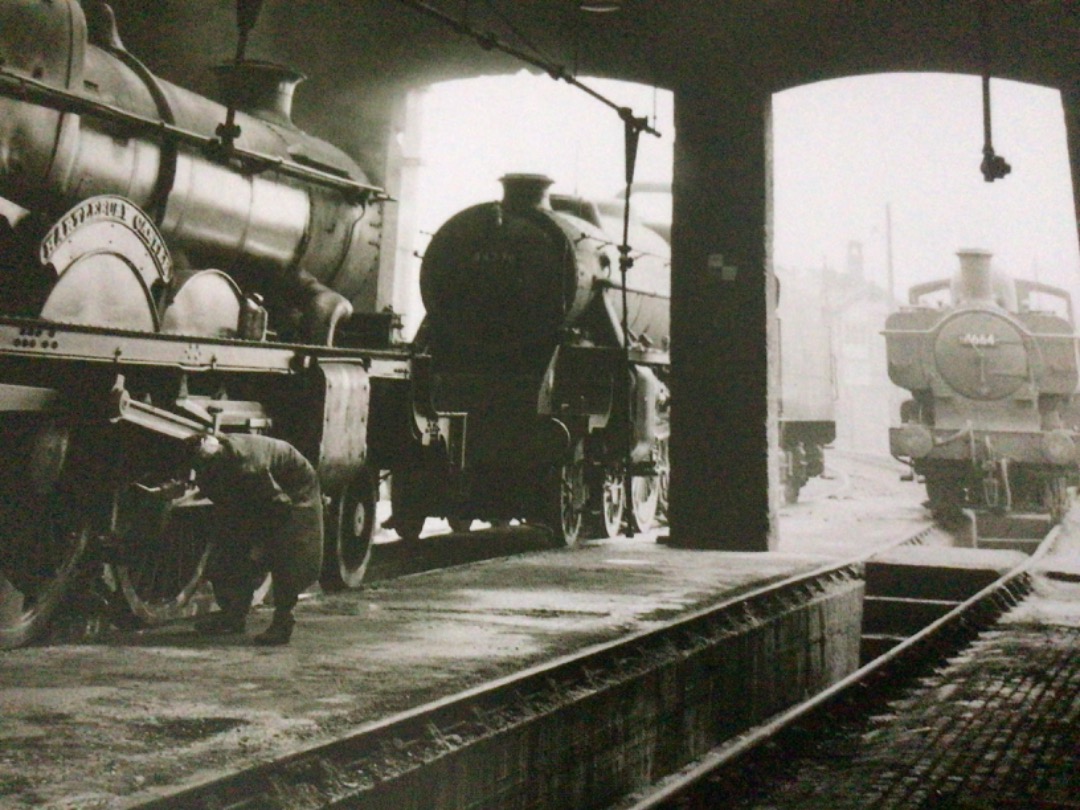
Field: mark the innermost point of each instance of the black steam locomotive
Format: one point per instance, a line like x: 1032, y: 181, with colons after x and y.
x: 527, y: 368
x: 990, y: 425
x: 170, y: 264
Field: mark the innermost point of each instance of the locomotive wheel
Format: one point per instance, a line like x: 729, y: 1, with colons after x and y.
x: 562, y: 510
x: 613, y: 503
x: 45, y: 534
x: 1057, y: 498
x: 794, y: 473
x: 25, y: 609
x: 167, y: 544
x: 945, y: 496
x: 407, y: 519
x: 663, y: 478
x: 347, y: 550
x: 644, y: 497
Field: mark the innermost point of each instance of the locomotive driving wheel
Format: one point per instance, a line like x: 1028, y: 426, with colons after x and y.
x: 648, y: 493
x: 46, y: 534
x: 644, y: 497
x: 165, y: 543
x: 408, y: 516
x: 945, y: 495
x: 663, y: 477
x: 562, y: 507
x: 606, y: 505
x: 613, y: 500
x: 350, y: 525
x: 1057, y: 498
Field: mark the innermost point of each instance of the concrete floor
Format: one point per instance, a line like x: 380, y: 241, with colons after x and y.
x: 135, y: 714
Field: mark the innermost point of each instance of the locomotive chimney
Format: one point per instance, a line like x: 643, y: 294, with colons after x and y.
x: 259, y: 88
x: 525, y: 191
x: 974, y: 282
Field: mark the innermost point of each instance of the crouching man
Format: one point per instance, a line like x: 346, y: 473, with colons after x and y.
x: 269, y: 509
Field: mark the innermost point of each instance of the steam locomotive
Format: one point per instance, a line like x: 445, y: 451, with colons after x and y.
x: 990, y: 424
x: 171, y: 264
x: 525, y: 360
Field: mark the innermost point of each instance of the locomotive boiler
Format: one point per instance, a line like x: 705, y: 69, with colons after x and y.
x: 169, y: 264
x: 529, y: 369
x: 992, y: 378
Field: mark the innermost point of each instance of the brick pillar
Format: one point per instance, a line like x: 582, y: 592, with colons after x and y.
x: 723, y: 414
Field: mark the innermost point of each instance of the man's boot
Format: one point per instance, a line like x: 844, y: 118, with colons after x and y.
x: 280, y: 630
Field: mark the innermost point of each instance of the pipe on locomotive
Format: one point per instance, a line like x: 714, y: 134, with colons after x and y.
x: 978, y: 284
x: 269, y: 229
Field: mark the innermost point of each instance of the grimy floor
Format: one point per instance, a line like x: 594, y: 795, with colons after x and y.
x: 130, y: 715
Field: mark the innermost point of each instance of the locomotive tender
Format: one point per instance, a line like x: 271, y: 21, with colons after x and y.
x: 527, y: 362
x: 990, y: 424
x: 170, y: 264
x: 807, y: 382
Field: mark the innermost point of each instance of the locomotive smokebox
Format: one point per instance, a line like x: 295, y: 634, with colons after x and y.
x: 262, y: 89
x: 523, y: 192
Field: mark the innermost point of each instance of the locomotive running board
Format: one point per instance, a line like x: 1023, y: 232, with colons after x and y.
x: 20, y: 337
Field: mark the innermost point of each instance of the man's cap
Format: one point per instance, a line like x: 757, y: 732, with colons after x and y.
x: 207, y: 443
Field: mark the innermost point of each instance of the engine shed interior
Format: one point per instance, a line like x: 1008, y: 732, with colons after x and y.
x: 722, y: 61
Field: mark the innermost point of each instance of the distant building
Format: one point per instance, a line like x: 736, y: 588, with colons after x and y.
x: 853, y: 311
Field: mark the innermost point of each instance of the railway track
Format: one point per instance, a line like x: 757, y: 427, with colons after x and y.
x: 915, y: 615
x: 375, y: 765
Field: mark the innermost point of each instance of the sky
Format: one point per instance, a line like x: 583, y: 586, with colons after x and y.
x: 847, y: 149
x: 477, y: 130
x: 844, y: 152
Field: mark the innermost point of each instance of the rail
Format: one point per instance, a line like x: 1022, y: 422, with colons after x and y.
x: 980, y: 609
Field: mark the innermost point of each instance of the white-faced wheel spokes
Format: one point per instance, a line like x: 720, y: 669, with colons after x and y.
x: 614, y: 500
x: 350, y: 524
x: 644, y: 497
x: 563, y: 502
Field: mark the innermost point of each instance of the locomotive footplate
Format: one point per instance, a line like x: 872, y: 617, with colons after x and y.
x: 30, y: 338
